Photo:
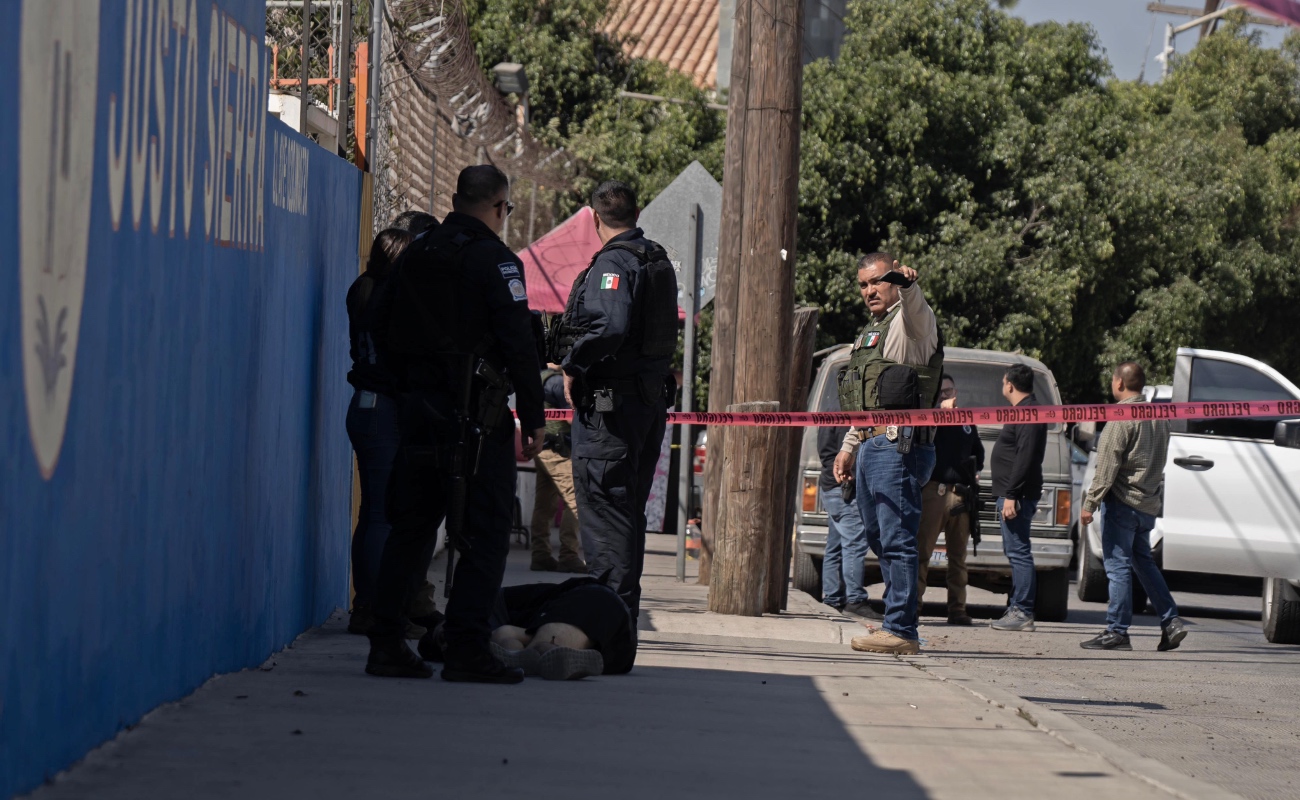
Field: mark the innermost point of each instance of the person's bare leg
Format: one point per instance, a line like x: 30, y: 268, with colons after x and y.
x: 566, y: 653
x: 560, y: 634
x: 509, y: 645
x: 511, y: 637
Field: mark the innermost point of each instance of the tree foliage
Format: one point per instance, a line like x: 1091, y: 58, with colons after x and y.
x: 1051, y: 208
x: 576, y: 69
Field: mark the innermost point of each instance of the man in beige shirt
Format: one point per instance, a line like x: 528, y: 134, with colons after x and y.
x: 1128, y: 487
x: 889, y: 465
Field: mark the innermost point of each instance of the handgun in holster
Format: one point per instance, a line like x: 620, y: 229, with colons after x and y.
x: 972, y: 505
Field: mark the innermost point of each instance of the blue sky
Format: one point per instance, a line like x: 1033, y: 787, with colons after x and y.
x: 1123, y: 26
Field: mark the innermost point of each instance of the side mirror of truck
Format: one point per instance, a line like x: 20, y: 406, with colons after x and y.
x: 1084, y: 434
x: 1287, y: 434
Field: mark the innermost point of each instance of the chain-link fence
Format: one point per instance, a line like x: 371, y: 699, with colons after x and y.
x: 437, y: 111
x: 327, y: 48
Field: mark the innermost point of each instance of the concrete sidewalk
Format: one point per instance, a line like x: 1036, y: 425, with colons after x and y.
x: 717, y: 706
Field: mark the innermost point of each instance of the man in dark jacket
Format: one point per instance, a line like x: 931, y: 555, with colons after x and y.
x: 459, y: 328
x: 1018, y: 486
x: 946, y: 504
x: 846, y: 536
x: 616, y: 374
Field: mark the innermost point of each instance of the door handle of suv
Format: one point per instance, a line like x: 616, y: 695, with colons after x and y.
x: 1194, y: 463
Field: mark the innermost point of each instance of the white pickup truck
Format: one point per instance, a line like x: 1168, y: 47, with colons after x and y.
x: 1232, y: 490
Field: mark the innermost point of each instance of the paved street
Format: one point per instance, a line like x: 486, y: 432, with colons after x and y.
x: 717, y: 706
x: 1222, y: 708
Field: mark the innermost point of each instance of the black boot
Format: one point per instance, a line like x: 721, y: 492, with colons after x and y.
x: 479, y: 668
x: 432, y: 645
x: 391, y: 658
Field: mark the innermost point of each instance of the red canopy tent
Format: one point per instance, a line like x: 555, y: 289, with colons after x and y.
x: 553, y: 262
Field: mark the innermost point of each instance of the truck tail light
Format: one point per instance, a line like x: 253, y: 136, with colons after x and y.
x: 809, y: 494
x: 1063, y: 501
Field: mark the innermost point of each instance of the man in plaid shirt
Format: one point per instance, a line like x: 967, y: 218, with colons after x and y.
x: 1128, y: 486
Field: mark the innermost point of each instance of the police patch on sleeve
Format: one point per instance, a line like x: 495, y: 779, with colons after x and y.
x: 609, y: 280
x: 508, y: 270
x: 517, y: 290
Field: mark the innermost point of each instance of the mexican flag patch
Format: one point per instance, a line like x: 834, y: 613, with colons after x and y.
x: 609, y: 281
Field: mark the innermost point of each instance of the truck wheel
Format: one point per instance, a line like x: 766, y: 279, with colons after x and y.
x: 1281, y: 612
x: 1052, y: 601
x: 1092, y: 574
x: 807, y: 572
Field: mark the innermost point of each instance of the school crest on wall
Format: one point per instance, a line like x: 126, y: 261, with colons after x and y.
x: 60, y: 58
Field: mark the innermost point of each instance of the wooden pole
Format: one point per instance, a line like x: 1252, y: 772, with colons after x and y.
x: 752, y: 320
x: 751, y: 344
x: 740, y: 569
x: 803, y: 343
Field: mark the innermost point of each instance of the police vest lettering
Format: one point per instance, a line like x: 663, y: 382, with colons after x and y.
x: 872, y: 382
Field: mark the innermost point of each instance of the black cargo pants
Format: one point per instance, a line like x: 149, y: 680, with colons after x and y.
x: 419, y: 495
x: 614, y: 458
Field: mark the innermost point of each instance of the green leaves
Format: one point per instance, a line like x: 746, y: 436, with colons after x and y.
x: 1050, y: 208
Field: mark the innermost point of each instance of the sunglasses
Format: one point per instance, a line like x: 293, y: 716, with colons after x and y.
x: 510, y: 207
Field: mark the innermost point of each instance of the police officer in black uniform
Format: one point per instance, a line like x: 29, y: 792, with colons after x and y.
x: 457, y: 316
x: 621, y: 318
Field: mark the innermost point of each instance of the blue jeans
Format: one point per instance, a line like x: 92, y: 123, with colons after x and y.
x: 846, y: 551
x: 373, y: 432
x: 889, y: 499
x: 1126, y: 550
x: 1015, y: 545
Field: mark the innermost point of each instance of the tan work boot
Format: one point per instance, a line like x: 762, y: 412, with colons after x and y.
x: 573, y: 564
x: 885, y: 642
x: 544, y: 562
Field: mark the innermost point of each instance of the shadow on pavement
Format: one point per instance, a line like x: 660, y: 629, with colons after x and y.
x: 316, y: 726
x: 1078, y: 701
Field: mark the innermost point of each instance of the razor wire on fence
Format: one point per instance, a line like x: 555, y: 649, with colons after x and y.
x: 436, y: 110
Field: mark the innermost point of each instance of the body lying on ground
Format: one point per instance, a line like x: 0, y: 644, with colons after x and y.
x: 558, y: 631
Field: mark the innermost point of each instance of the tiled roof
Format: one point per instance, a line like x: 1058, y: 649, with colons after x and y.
x: 681, y: 33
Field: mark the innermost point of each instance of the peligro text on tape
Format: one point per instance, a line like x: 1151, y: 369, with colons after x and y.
x: 1007, y: 415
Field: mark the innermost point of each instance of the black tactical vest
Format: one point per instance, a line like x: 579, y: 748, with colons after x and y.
x: 654, y: 308
x: 423, y: 305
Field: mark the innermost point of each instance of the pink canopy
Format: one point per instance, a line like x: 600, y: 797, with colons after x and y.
x: 553, y: 262
x: 1288, y: 10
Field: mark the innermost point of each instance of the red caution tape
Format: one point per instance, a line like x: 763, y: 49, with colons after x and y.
x: 1020, y: 415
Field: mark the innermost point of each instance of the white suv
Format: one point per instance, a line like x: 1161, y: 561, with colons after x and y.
x: 1232, y: 489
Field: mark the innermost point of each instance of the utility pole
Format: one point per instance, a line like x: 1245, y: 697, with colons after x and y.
x: 754, y: 317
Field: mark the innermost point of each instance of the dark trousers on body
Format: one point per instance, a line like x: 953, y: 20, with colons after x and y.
x: 614, y: 458
x: 372, y: 429
x: 419, y: 495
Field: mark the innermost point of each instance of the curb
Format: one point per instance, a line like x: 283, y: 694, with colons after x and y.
x: 1059, y: 726
x: 1053, y: 723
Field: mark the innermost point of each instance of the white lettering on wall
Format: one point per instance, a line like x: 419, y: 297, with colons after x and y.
x: 289, y: 183
x: 153, y: 140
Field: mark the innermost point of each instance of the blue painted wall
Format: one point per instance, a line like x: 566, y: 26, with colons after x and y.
x: 194, y: 516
